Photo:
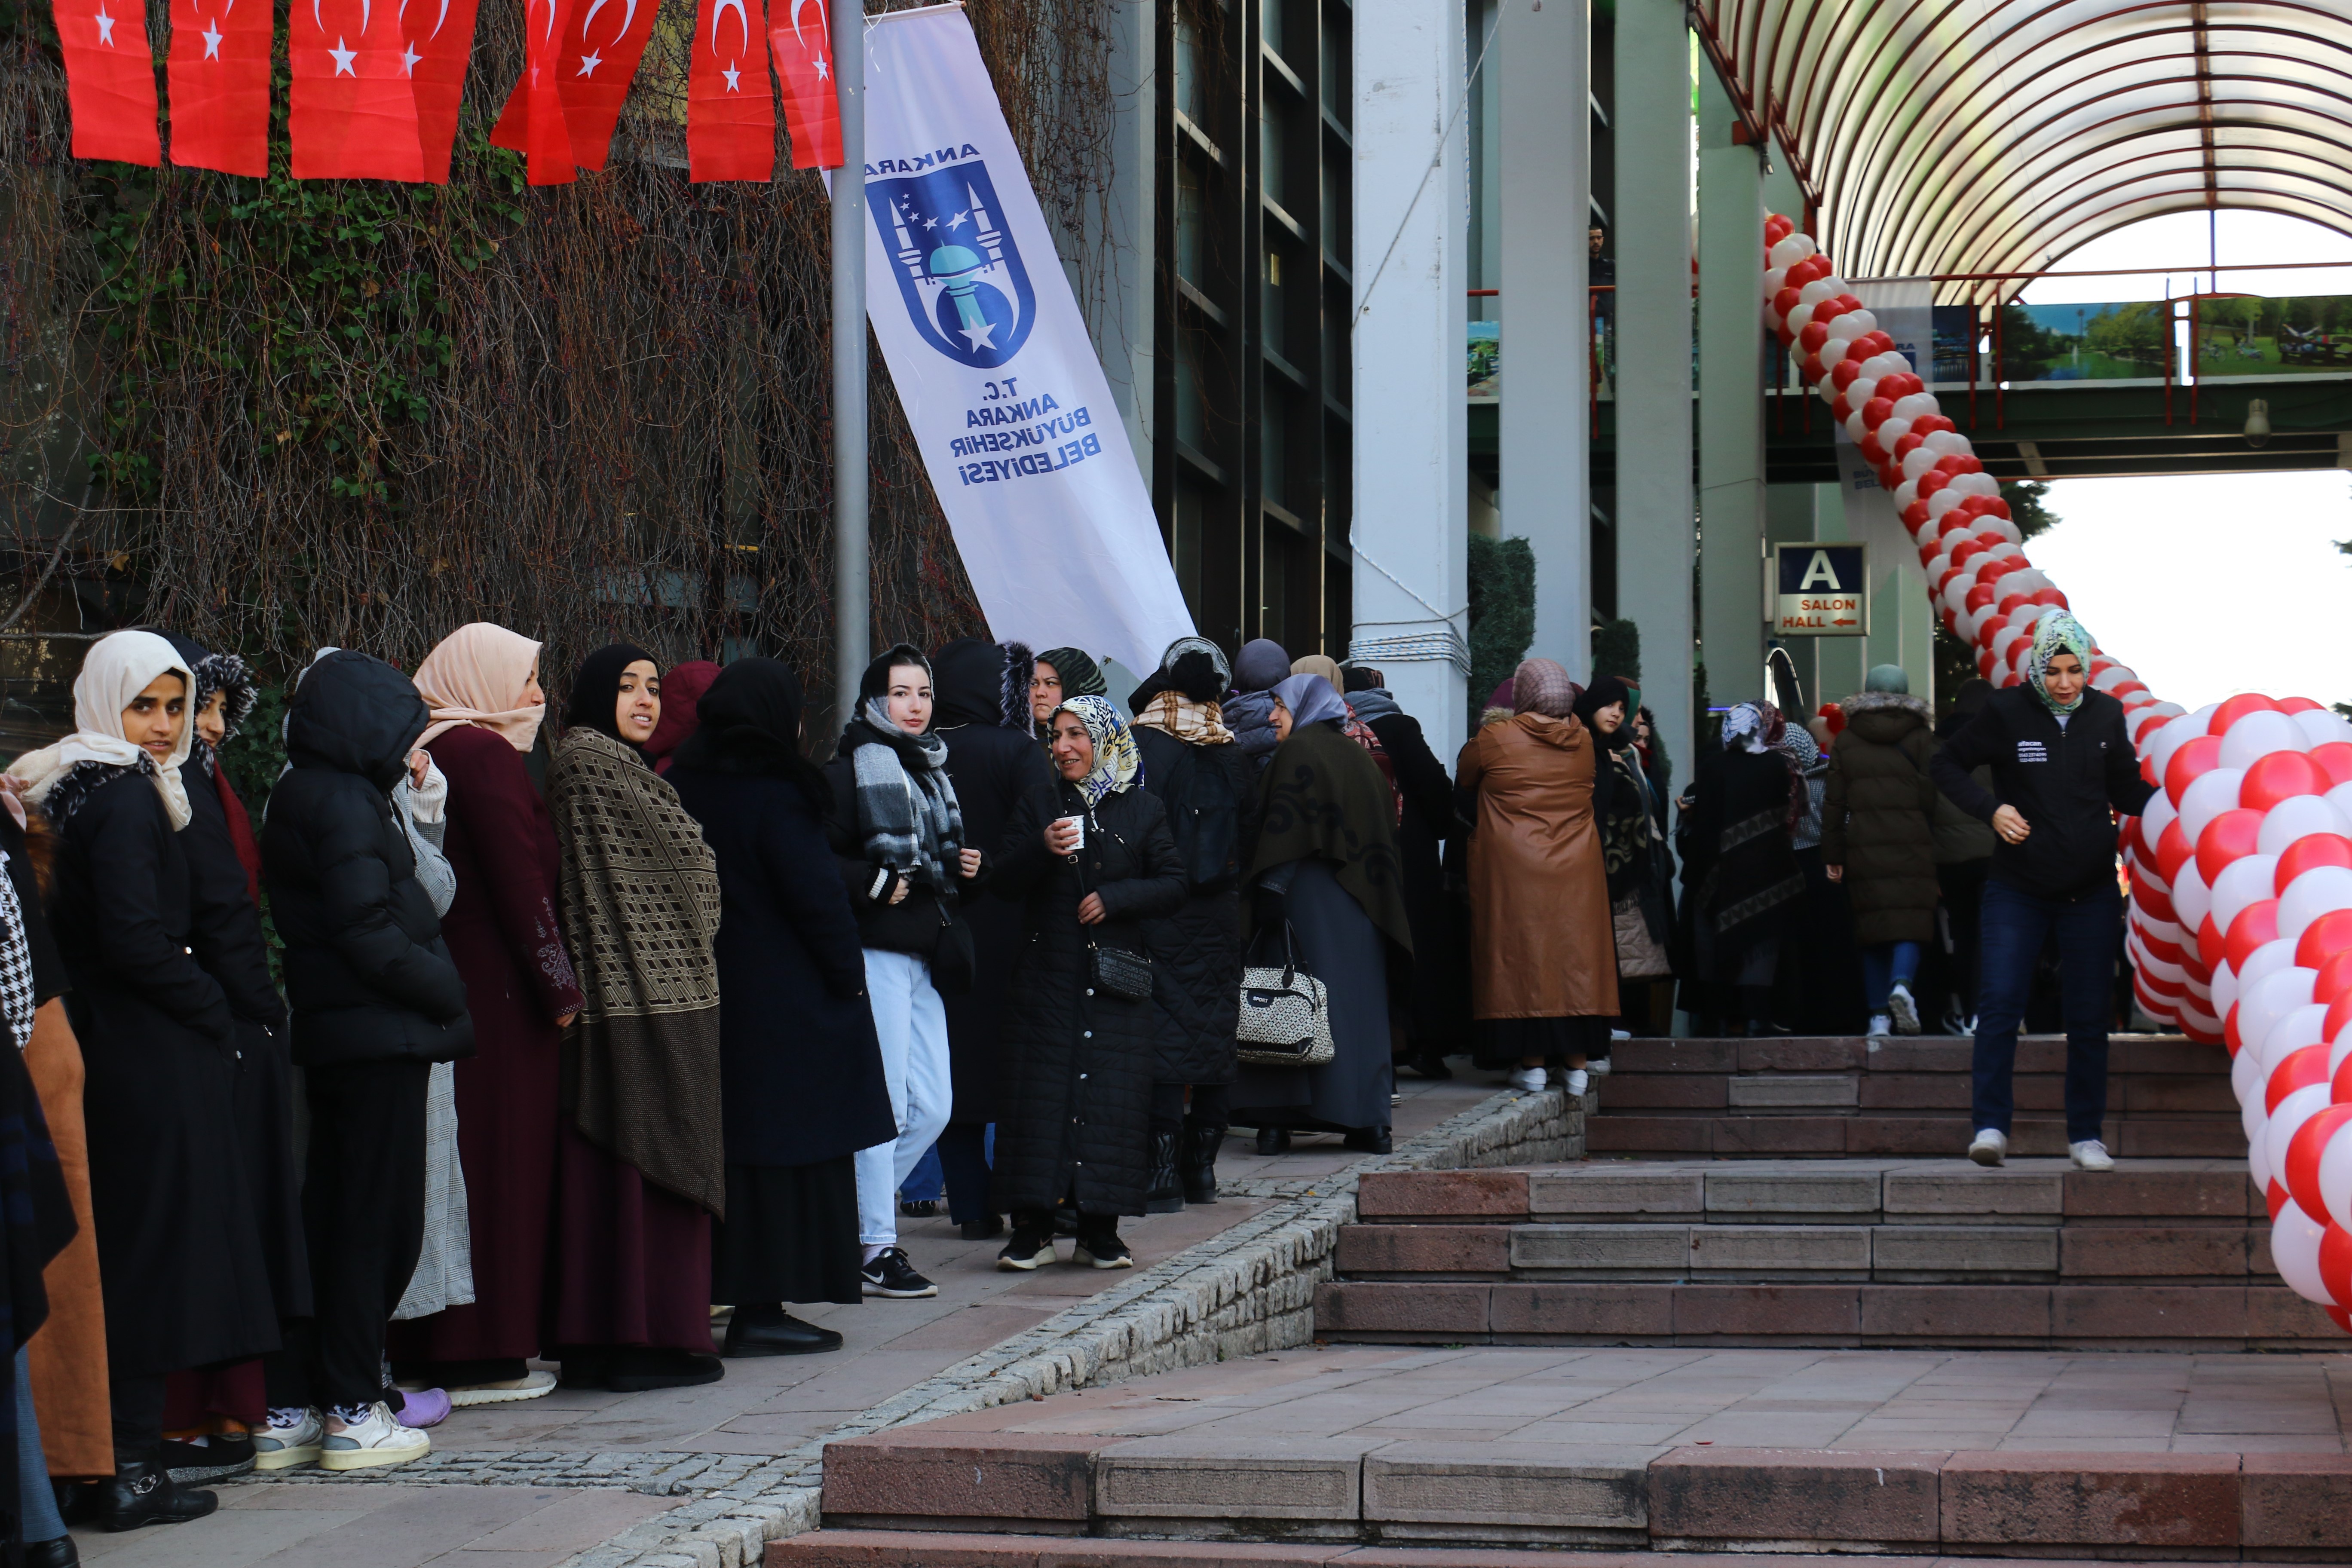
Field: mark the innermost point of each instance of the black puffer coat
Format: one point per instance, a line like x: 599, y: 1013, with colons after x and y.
x: 1878, y: 816
x: 993, y: 769
x: 1196, y: 952
x: 1074, y: 1115
x: 366, y: 969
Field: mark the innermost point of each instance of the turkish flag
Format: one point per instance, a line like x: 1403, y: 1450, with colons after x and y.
x: 801, y: 33
x: 532, y: 122
x: 440, y: 35
x: 600, y: 58
x: 731, y: 111
x: 351, y: 113
x: 109, y: 80
x: 219, y: 71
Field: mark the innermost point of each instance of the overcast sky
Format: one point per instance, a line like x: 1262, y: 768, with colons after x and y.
x: 2208, y: 585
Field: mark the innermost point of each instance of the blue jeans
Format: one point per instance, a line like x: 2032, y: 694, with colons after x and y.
x: 2015, y: 925
x: 37, y: 1503
x: 1884, y: 966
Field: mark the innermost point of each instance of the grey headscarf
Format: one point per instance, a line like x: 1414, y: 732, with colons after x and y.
x: 1310, y: 699
x: 1262, y: 666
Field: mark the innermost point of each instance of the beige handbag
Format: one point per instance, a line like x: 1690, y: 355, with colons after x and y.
x: 1638, y: 956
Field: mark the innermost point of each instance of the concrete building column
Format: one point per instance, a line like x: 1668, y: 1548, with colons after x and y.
x: 1730, y: 402
x: 1121, y: 231
x: 1541, y: 62
x: 1411, y: 579
x: 1656, y: 512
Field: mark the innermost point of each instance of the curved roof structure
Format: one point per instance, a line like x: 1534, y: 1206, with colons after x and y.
x: 1941, y: 136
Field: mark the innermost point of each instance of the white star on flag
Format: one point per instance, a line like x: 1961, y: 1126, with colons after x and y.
x: 343, y: 57
x: 589, y: 63
x: 211, y: 36
x: 734, y: 78
x: 408, y: 58
x: 105, y: 27
x: 958, y: 221
x: 824, y: 68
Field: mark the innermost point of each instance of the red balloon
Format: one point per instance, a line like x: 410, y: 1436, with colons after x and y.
x: 2298, y: 1168
x: 2000, y: 566
x: 2191, y: 763
x: 2237, y: 708
x: 1909, y: 444
x: 2339, y: 1009
x: 1814, y: 268
x: 1984, y: 662
x: 2322, y: 940
x: 1844, y: 373
x: 2334, y: 983
x: 1916, y: 515
x: 2297, y: 705
x: 2125, y: 691
x: 2212, y: 945
x: 1978, y: 597
x: 2335, y: 1270
x: 2146, y: 894
x: 2335, y: 760
x: 1787, y: 300
x: 1930, y: 482
x: 2312, y: 849
x: 2299, y: 1068
x: 2256, y: 924
x: 2278, y: 776
x: 2172, y: 849
x: 1996, y: 507
x: 2226, y: 838
x: 2050, y: 597
x: 1902, y: 384
x: 1877, y: 412
x: 1929, y: 423
x: 2015, y: 600
x: 2229, y: 1031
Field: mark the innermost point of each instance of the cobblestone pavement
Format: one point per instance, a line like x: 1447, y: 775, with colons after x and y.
x: 700, y: 1476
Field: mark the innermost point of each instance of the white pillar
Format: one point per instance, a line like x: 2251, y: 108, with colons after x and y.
x: 1121, y: 229
x: 1539, y: 57
x: 1412, y: 420
x: 1656, y: 512
x: 1731, y: 402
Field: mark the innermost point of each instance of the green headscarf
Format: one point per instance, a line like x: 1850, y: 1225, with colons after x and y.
x: 2056, y: 633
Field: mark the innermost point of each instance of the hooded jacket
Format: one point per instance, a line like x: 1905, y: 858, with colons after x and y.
x: 1878, y: 816
x: 366, y: 969
x: 2067, y: 781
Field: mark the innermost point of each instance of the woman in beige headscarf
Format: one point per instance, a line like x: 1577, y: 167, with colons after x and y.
x: 482, y: 685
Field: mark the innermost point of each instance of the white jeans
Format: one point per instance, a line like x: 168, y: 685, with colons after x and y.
x: 913, y: 1029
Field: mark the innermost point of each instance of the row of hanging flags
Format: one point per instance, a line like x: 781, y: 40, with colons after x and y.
x: 376, y: 85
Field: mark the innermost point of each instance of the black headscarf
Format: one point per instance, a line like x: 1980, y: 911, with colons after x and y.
x: 597, y: 691
x: 751, y: 725
x: 1081, y: 676
x: 223, y: 672
x: 975, y: 681
x: 1605, y: 690
x: 1193, y: 667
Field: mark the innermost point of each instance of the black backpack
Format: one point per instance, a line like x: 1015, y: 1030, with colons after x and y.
x: 1204, y: 817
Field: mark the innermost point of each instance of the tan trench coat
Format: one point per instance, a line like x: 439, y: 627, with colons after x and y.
x: 1542, y: 946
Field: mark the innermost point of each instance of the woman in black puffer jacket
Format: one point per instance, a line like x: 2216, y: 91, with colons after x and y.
x: 1094, y: 860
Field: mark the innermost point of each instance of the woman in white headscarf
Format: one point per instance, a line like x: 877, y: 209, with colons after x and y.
x: 181, y: 1260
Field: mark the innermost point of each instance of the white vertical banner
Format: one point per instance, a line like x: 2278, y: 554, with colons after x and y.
x: 993, y: 364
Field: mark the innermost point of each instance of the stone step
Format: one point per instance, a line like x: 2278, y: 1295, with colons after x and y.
x: 1730, y: 1136
x: 2128, y: 1055
x: 2243, y: 1316
x: 1861, y: 1092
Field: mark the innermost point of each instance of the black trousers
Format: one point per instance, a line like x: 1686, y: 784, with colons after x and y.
x: 363, y: 1215
x: 1210, y: 1106
x: 963, y: 1165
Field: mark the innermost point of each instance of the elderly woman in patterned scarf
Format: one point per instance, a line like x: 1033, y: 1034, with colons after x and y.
x: 2063, y: 764
x: 640, y: 1167
x: 1092, y: 860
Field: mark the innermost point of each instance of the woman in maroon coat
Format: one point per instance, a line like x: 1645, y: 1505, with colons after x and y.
x: 482, y: 684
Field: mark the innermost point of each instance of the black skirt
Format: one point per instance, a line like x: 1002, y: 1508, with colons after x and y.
x: 790, y: 1234
x: 1505, y: 1042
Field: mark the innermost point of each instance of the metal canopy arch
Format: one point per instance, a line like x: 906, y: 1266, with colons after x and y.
x: 1951, y: 136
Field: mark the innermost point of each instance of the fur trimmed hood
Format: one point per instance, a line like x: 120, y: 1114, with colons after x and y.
x: 1863, y: 702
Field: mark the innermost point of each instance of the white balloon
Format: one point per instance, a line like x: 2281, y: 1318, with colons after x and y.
x: 2176, y: 733
x: 2265, y: 960
x: 1865, y: 323
x: 2298, y: 816
x: 1976, y: 485
x: 1861, y: 390
x: 1917, y: 461
x: 2212, y: 793
x: 1788, y: 252
x: 1777, y: 278
x: 2156, y: 817
x: 1948, y: 443
x: 2294, y: 1253
x: 2312, y: 895
x: 2192, y: 900
x: 2266, y: 1001
x: 1895, y: 427
x: 1833, y: 351
x: 1819, y: 290
x: 2339, y: 1048
x: 1905, y: 494
x: 2246, y: 1083
x: 1914, y: 406
x: 2243, y: 881
x: 2258, y: 1144
x: 2320, y: 727
x: 2256, y: 735
x: 2304, y: 1026
x: 1945, y: 500
x: 2336, y: 1177
x: 1854, y: 428
x: 2204, y: 716
x: 2340, y: 797
x: 1800, y: 319
x: 2149, y: 964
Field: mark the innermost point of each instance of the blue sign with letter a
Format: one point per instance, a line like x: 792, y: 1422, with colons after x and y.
x: 959, y: 271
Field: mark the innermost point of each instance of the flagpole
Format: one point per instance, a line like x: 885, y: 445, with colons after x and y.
x: 851, y: 592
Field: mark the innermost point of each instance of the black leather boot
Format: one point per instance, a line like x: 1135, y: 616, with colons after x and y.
x: 143, y: 1492
x: 1369, y: 1140
x: 771, y: 1331
x: 58, y: 1552
x: 1162, y: 1195
x: 1198, y: 1168
x: 1273, y: 1140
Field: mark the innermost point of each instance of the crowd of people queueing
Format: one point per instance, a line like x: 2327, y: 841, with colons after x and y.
x: 578, y: 1056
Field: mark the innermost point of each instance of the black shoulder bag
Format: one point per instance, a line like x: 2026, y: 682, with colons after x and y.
x: 1113, y: 968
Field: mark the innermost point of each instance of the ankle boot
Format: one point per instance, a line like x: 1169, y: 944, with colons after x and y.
x: 143, y: 1492
x: 1273, y: 1140
x: 1162, y: 1195
x: 1198, y: 1168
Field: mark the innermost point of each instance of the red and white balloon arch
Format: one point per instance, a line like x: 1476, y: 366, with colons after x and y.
x: 2239, y: 869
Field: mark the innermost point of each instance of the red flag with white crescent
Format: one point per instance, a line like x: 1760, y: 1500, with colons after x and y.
x: 109, y: 80
x: 532, y: 122
x: 439, y: 35
x: 352, y: 114
x: 600, y: 58
x: 219, y: 72
x: 800, y: 34
x: 731, y: 111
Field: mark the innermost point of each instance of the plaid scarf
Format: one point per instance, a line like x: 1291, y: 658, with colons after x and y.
x: 909, y: 814
x: 16, y: 999
x: 1194, y: 723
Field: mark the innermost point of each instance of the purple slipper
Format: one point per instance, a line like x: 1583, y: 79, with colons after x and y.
x: 425, y: 1408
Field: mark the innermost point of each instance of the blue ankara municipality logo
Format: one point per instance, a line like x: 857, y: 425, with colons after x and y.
x: 959, y: 272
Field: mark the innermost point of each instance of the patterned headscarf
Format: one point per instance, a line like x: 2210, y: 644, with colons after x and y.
x: 1118, y: 766
x: 1745, y: 727
x: 2056, y: 633
x: 1542, y: 686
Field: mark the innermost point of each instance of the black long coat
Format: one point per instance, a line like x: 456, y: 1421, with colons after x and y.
x: 1437, y: 993
x: 1073, y: 1116
x: 1196, y: 952
x: 798, y: 1064
x: 993, y: 768
x: 1878, y: 816
x: 180, y: 1255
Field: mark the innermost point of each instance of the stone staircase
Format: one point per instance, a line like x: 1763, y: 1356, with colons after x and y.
x: 1827, y: 1098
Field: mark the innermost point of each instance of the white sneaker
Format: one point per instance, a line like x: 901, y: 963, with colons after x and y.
x: 529, y: 1386
x: 2091, y: 1154
x: 1621, y: 1034
x: 1600, y: 1067
x: 1905, y: 1011
x: 377, y: 1439
x: 1879, y: 1027
x: 1578, y: 1080
x: 1990, y: 1148
x: 291, y: 1439
x: 1528, y: 1081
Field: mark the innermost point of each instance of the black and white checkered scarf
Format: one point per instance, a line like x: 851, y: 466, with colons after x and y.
x: 17, y: 998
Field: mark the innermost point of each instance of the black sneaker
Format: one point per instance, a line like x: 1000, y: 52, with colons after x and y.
x: 987, y: 1229
x: 891, y: 1275
x: 918, y: 1208
x: 1101, y: 1247
x: 1028, y: 1249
